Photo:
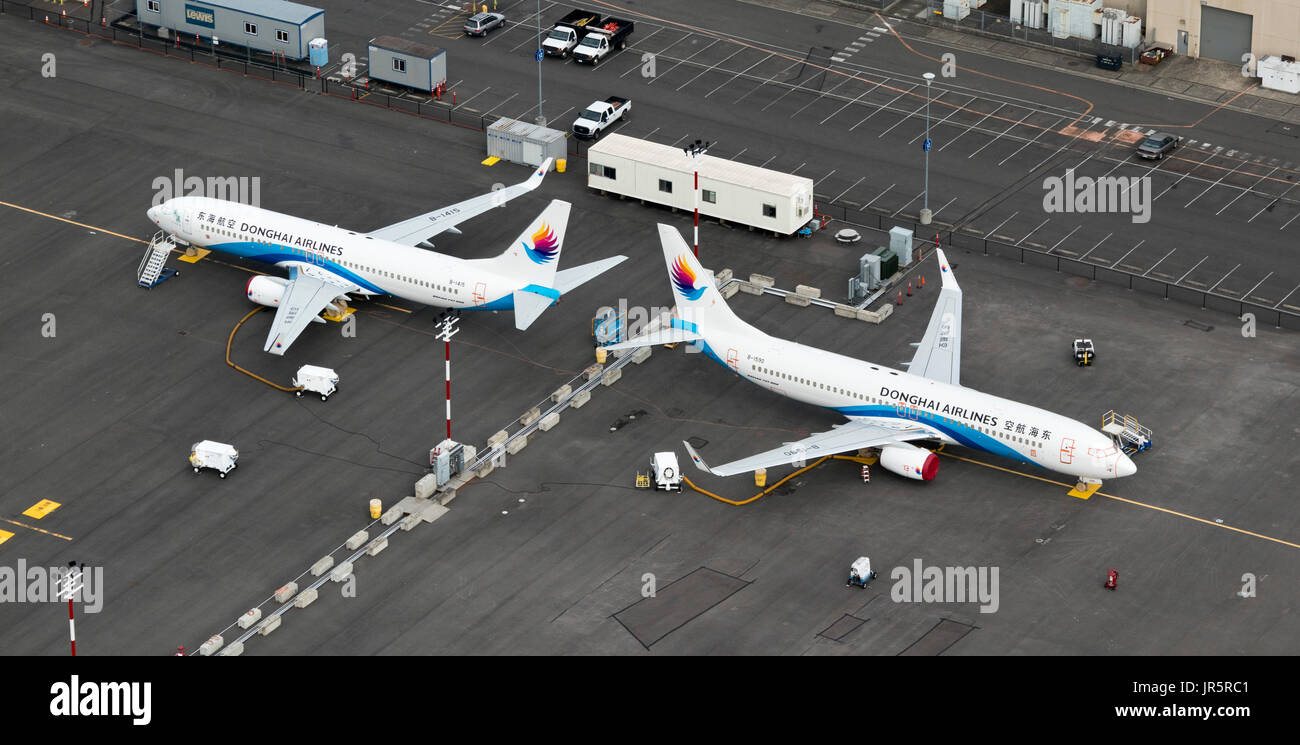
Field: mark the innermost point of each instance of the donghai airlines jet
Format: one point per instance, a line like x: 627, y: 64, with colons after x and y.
x: 886, y: 409
x: 327, y: 263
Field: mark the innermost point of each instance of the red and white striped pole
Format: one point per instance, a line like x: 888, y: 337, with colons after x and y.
x: 69, y: 587
x: 72, y: 628
x: 697, y: 209
x: 448, y: 322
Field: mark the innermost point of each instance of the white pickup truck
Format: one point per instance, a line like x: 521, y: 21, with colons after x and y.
x: 599, y: 115
x: 601, y: 39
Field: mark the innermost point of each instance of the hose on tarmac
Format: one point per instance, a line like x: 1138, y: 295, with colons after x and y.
x: 231, y: 341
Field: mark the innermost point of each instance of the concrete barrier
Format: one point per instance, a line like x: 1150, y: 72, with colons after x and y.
x: 884, y: 311
x: 514, y: 446
x: 390, y: 517
x: 797, y: 299
x: 470, y: 452
x: 269, y: 625
x: 723, y: 277
x: 283, y: 594
x: 846, y: 311
x: 592, y: 372
x: 379, y: 545
x: 356, y: 540
x: 426, y: 486
x: 210, y: 646
x: 305, y: 598
x: 749, y: 288
x: 640, y: 355
x: 530, y: 416
x: 731, y: 289
x: 234, y: 650
x: 498, y: 439
x: 322, y: 566
x: 247, y: 620
x: 561, y: 393
x: 485, y: 469
x: 807, y: 291
x: 761, y: 280
x: 344, y: 570
x: 549, y: 421
x: 411, y: 522
x: 580, y: 399
x: 611, y: 376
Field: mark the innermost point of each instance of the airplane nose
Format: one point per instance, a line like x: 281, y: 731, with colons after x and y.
x: 153, y: 214
x: 1125, y: 467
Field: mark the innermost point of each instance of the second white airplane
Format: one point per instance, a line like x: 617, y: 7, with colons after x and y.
x: 887, y: 409
x: 327, y: 263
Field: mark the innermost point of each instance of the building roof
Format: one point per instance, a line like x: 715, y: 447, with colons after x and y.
x: 720, y: 169
x: 277, y: 9
x: 395, y: 44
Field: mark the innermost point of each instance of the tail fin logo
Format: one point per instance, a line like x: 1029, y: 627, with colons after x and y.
x: 684, y: 280
x: 545, y: 245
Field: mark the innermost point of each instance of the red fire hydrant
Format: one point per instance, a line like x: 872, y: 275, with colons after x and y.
x: 1112, y: 578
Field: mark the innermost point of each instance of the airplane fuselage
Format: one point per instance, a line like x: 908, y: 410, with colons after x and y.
x: 894, y: 398
x: 376, y: 266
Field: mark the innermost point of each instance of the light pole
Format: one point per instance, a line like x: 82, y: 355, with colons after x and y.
x: 541, y: 118
x: 447, y: 320
x: 925, y: 209
x: 695, y: 150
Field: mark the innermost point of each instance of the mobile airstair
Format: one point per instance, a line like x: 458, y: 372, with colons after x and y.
x: 1128, y: 435
x: 153, y: 269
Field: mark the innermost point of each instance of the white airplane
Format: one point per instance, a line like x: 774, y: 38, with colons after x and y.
x: 886, y: 409
x: 327, y: 263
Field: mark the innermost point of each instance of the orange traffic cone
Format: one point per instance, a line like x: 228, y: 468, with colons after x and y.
x: 909, y: 288
x: 900, y: 297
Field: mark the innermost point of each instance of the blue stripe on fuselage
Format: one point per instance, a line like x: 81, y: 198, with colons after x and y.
x: 260, y: 252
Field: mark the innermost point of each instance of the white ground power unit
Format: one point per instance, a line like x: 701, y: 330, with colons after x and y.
x: 319, y: 380
x: 664, y: 471
x: 218, y: 456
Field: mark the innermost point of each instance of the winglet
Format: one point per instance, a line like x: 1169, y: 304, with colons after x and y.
x: 535, y: 180
x: 696, y: 459
x: 945, y: 270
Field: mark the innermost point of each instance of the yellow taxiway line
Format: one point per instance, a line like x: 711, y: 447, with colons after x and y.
x: 38, y: 530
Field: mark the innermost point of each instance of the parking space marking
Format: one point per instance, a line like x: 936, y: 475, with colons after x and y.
x: 760, y: 85
x: 1162, y: 258
x: 819, y: 97
x: 1094, y: 248
x: 846, y: 191
x: 681, y: 62
x: 941, y: 209
x: 1247, y: 293
x: 1067, y: 235
x: 1189, y: 271
x: 906, y: 117
x: 1035, y: 230
x: 769, y: 160
x: 919, y: 194
x: 711, y: 67
x: 733, y: 77
x: 850, y: 103
x: 503, y: 103
x: 796, y: 168
x: 1284, y: 298
x: 1243, y: 193
x: 878, y: 196
x: 471, y: 98
x: 1288, y: 222
x: 1211, y: 186
x: 973, y: 126
x: 638, y: 48
x: 1004, y: 222
x: 1003, y: 132
x: 933, y: 125
x: 882, y: 108
x: 823, y: 178
x: 1230, y: 271
x: 1131, y: 250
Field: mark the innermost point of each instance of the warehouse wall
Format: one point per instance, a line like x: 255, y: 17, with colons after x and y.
x: 1276, y: 27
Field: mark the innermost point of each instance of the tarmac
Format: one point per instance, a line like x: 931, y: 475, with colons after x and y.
x: 558, y: 553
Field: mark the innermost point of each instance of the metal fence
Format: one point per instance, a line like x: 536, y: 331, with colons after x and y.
x: 993, y: 25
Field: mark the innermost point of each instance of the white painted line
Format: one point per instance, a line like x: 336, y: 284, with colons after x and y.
x: 1211, y: 186
x: 907, y: 117
x: 850, y: 103
x: 1289, y: 294
x: 679, y: 139
x: 1067, y: 235
x: 1094, y: 248
x: 1189, y: 271
x: 1288, y: 222
x: 879, y: 29
x: 1251, y: 291
x: 1035, y: 230
x: 972, y: 127
x: 796, y: 168
x: 934, y: 125
x: 878, y: 196
x: 711, y: 68
x: 733, y: 77
x: 823, y: 178
x: 494, y: 108
x: 882, y: 108
x: 941, y: 209
x: 1243, y: 192
x: 765, y: 82
x: 846, y: 191
x: 661, y: 76
x: 1008, y: 129
x: 1230, y: 271
x: 1162, y: 258
x: 919, y: 194
x: 838, y: 58
x: 769, y: 160
x: 471, y: 98
x: 1109, y: 123
x: 1004, y: 222
x: 737, y: 155
x: 1131, y: 250
x: 819, y: 97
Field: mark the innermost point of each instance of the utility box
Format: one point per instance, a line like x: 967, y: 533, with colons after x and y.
x: 900, y: 242
x: 416, y: 66
x: 447, y: 460
x: 730, y: 191
x: 1278, y: 74
x: 527, y: 144
x: 888, y: 262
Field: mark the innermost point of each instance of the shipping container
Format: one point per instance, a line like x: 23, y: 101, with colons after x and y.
x: 527, y: 144
x: 416, y: 66
x: 276, y: 26
x: 730, y: 191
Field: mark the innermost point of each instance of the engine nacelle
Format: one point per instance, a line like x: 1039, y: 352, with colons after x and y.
x: 909, y: 461
x: 265, y: 290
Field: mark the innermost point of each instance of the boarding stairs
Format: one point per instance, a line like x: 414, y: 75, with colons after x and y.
x: 1128, y: 435
x: 153, y: 269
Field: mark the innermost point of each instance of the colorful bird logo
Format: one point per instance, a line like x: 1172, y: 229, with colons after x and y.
x: 684, y: 280
x: 545, y: 245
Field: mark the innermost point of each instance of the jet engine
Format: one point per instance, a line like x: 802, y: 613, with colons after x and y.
x: 265, y: 290
x: 909, y: 461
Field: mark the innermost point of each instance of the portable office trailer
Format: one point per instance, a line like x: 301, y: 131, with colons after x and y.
x: 265, y: 25
x: 730, y: 191
x: 407, y: 63
x: 520, y: 142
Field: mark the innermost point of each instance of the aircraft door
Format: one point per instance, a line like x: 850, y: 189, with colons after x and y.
x: 733, y: 360
x: 1067, y: 450
x: 480, y: 293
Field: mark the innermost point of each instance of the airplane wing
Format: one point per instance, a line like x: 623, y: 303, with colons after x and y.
x: 844, y: 437
x: 310, y: 289
x: 938, y: 356
x: 419, y: 229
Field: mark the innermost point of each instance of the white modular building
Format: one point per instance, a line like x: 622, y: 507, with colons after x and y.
x: 265, y: 25
x: 730, y: 191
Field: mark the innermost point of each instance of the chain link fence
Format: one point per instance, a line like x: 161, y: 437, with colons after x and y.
x: 993, y: 25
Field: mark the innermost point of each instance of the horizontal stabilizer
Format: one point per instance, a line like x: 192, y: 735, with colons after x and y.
x: 663, y: 336
x: 568, y: 279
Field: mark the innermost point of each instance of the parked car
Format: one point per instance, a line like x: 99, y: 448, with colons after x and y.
x: 481, y: 23
x: 1158, y: 145
x: 599, y: 115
